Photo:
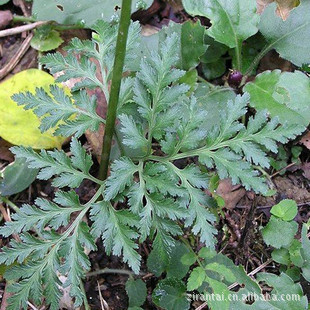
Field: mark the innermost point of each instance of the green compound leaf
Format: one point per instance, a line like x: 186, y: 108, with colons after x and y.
x: 232, y: 21
x: 289, y: 36
x: 69, y: 172
x: 285, y: 95
x: 75, y: 116
x: 122, y: 171
x: 43, y: 213
x: 51, y: 255
x: 116, y: 229
x: 285, y: 210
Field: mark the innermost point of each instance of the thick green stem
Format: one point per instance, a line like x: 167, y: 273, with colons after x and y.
x: 255, y: 62
x: 119, y: 60
x: 238, y: 52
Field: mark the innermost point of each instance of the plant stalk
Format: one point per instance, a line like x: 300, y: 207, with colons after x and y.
x: 119, y: 60
x: 23, y: 19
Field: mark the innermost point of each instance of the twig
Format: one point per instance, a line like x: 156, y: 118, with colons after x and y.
x: 108, y: 270
x: 20, y: 29
x: 269, y: 207
x: 248, y: 225
x: 32, y: 306
x: 16, y: 58
x: 103, y: 303
x: 5, y: 296
x: 279, y: 171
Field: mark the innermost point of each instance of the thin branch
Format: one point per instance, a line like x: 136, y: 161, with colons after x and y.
x: 20, y: 29
x: 108, y: 270
x: 16, y: 58
x: 119, y: 60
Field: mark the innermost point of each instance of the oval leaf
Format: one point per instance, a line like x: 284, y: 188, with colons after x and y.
x: 290, y: 38
x: 83, y: 11
x: 286, y: 210
x: 17, y: 177
x: 285, y: 95
x: 232, y: 21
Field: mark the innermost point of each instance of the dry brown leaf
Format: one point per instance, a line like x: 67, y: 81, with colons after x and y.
x: 5, y: 18
x: 306, y: 170
x: 230, y: 193
x: 284, y: 6
x: 261, y: 5
x: 305, y: 140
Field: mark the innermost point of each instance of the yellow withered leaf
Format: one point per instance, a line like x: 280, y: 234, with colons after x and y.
x: 21, y: 127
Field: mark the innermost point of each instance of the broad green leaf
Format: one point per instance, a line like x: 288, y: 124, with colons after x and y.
x: 155, y: 264
x: 170, y: 294
x: 285, y: 95
x: 219, y: 289
x: 215, y: 69
x: 282, y: 284
x: 232, y: 21
x: 290, y: 38
x: 17, y: 125
x: 136, y: 291
x: 285, y: 210
x: 305, y: 252
x: 279, y: 233
x: 84, y: 12
x: 46, y: 39
x: 281, y: 256
x: 175, y: 267
x: 4, y: 2
x: 222, y: 270
x: 192, y: 34
x: 214, y: 51
x: 295, y: 253
x: 189, y: 259
x: 16, y: 177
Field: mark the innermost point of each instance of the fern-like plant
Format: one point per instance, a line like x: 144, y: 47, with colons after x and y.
x: 158, y: 198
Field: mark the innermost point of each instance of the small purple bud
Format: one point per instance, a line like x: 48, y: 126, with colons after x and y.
x: 235, y: 77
